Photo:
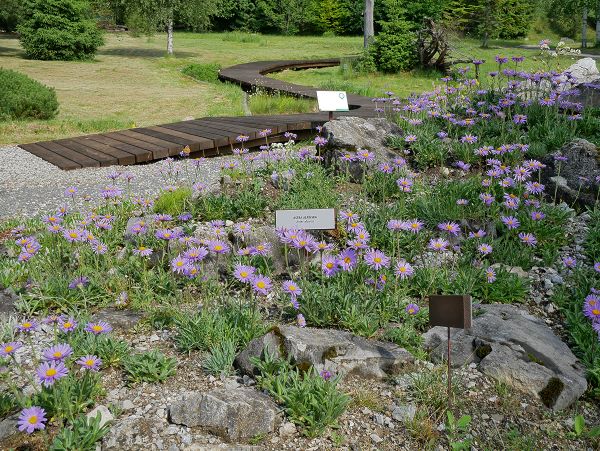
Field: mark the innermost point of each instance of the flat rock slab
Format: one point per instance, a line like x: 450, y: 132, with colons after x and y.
x: 236, y: 415
x: 334, y: 350
x: 517, y: 348
x: 7, y: 303
x: 120, y: 319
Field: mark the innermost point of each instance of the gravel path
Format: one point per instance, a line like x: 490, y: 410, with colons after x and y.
x: 30, y: 185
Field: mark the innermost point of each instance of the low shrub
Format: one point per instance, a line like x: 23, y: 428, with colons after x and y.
x: 174, y: 202
x: 22, y: 97
x: 81, y: 435
x: 61, y: 30
x: 203, y: 72
x: 395, y: 47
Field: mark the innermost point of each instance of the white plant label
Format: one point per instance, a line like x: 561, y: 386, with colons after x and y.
x: 311, y: 219
x: 332, y: 101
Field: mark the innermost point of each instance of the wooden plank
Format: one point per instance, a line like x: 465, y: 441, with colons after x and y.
x: 104, y: 158
x: 261, y: 122
x: 167, y: 146
x: 154, y: 150
x: 141, y: 155
x: 198, y: 142
x: 50, y: 156
x: 219, y: 137
x: 176, y: 140
x: 235, y: 128
x: 120, y: 156
x: 82, y: 159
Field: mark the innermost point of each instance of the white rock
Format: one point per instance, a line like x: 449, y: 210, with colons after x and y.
x: 105, y: 415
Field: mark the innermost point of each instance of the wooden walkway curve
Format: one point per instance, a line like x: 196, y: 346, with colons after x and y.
x: 208, y: 136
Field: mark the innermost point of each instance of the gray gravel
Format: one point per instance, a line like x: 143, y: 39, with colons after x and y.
x: 30, y: 186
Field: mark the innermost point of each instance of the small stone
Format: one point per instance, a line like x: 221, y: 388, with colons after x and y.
x: 556, y: 279
x: 154, y: 338
x: 471, y: 384
x: 287, y: 429
x: 548, y: 284
x: 497, y: 417
x: 376, y: 439
x: 228, y: 223
x: 485, y: 416
x: 379, y: 419
x: 127, y: 405
x: 105, y: 415
x: 404, y: 412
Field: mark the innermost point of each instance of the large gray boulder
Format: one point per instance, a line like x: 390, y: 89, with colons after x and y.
x: 517, y: 348
x: 353, y: 133
x: 576, y: 180
x: 236, y: 415
x: 333, y: 350
x: 583, y: 70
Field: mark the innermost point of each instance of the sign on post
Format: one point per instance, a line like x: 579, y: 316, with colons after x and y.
x: 310, y: 219
x: 332, y: 101
x: 450, y: 311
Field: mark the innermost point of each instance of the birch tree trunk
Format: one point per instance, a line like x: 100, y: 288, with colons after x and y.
x: 584, y: 28
x: 369, y: 29
x: 170, y: 36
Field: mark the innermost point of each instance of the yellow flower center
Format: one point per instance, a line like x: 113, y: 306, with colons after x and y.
x: 596, y: 311
x: 8, y: 349
x: 377, y: 259
x: 97, y: 328
x: 244, y: 274
x: 329, y: 265
x: 167, y: 235
x: 67, y: 325
x: 89, y: 362
x: 292, y: 288
x: 347, y: 260
x: 260, y: 284
x: 411, y: 310
x: 218, y: 248
x: 26, y: 325
x: 73, y: 235
x: 179, y: 263
x: 32, y: 419
x: 402, y: 269
x: 50, y: 372
x: 57, y: 354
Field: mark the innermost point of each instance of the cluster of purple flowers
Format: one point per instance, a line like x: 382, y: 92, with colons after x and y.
x: 29, y: 247
x: 591, y: 309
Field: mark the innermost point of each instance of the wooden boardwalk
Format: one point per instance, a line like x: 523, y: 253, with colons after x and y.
x: 209, y: 136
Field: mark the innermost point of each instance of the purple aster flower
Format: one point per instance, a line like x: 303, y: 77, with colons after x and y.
x: 31, y: 418
x: 468, y: 139
x: 597, y: 266
x: 167, y: 234
x: 537, y: 215
x: 261, y: 284
x: 178, y: 264
x: 90, y: 362
x: 519, y: 119
x: 326, y: 375
x: 405, y: 184
x: 27, y: 326
x: 57, y: 352
x: 7, y: 349
x: 244, y: 273
x: 375, y: 259
x: 412, y: 309
x: 451, y: 227
x: 50, y: 372
x: 291, y: 288
x: 534, y: 187
x: 300, y: 320
x: 242, y: 228
x: 264, y: 249
x: 386, y: 168
x: 79, y: 282
x: 410, y: 138
x: 413, y: 225
x: 71, y: 191
x: 510, y: 221
x: 323, y: 246
x: 364, y: 155
x: 347, y: 259
x: 487, y: 198
x: 195, y: 254
x: 528, y: 238
x: 485, y: 249
x: 490, y: 275
x: 73, y: 235
x: 143, y: 251
x: 101, y: 327
x: 184, y: 216
x: 330, y: 265
x: 569, y: 262
x: 404, y: 270
x: 592, y: 312
x: 462, y: 202
x: 438, y: 244
x: 218, y: 247
x: 67, y: 325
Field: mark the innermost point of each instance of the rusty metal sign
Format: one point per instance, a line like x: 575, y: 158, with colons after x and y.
x: 450, y: 311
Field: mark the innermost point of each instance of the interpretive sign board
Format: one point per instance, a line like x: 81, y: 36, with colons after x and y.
x: 310, y: 219
x: 332, y: 101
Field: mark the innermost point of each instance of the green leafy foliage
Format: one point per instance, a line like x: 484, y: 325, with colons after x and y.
x: 151, y: 366
x: 310, y: 400
x: 81, y: 435
x: 203, y: 72
x: 220, y: 360
x: 24, y: 98
x: 59, y: 30
x: 248, y: 202
x: 395, y: 47
x: 111, y: 350
x: 311, y: 186
x: 69, y: 396
x: 173, y: 202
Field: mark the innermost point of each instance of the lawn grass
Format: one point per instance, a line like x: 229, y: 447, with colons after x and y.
x: 131, y: 82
